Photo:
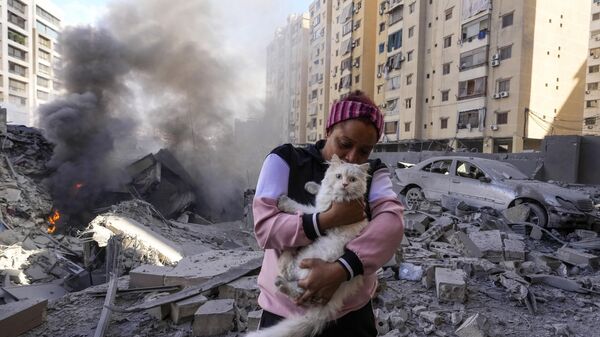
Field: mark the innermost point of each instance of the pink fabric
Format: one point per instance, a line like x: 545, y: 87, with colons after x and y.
x: 275, y: 229
x: 344, y: 110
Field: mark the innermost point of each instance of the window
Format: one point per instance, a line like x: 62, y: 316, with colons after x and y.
x: 592, y: 86
x: 411, y: 31
x: 503, y: 85
x: 468, y: 119
x: 346, y: 64
x: 17, y: 53
x: 44, y: 14
x: 409, y: 79
x: 346, y: 46
x: 390, y: 107
x: 347, y: 28
x: 446, y: 68
x: 17, y: 69
x: 42, y: 95
x: 445, y: 94
x: 448, y: 41
x: 395, y: 15
x: 439, y: 166
x: 17, y: 100
x: 395, y: 41
x: 475, y: 30
x: 381, y: 27
x: 449, y: 13
x: 591, y: 103
x: 345, y: 82
x: 507, y: 20
x: 472, y: 88
x: 595, y: 16
x: 409, y: 56
x: 17, y: 86
x: 505, y: 52
x: 17, y: 20
x: 44, y: 42
x: 443, y: 123
x: 44, y: 55
x: 411, y: 8
x: 17, y: 5
x: 468, y: 170
x: 407, y: 127
x: 408, y: 103
x: 17, y: 37
x: 473, y: 58
x: 595, y: 52
x: 390, y: 127
x: 590, y: 121
x: 393, y: 83
x: 44, y: 69
x: 502, y: 118
x: 594, y: 69
x: 381, y: 47
x: 42, y: 82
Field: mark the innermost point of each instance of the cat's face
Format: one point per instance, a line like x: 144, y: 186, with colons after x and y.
x: 347, y: 180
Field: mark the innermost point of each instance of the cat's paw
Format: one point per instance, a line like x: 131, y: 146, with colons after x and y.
x: 285, y: 204
x: 312, y: 187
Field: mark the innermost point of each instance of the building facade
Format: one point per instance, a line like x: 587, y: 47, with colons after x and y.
x: 591, y: 112
x: 287, y: 77
x: 29, y: 57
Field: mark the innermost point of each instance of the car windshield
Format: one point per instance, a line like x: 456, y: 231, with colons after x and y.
x: 506, y: 171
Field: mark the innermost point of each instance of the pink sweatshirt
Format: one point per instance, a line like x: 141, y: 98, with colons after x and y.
x: 277, y: 231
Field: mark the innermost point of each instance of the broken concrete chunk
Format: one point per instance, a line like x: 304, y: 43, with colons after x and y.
x: 22, y: 316
x: 214, y: 318
x: 185, y: 309
x: 585, y: 234
x: 518, y: 213
x: 490, y: 244
x: 576, y: 257
x: 148, y: 276
x: 432, y: 317
x: 536, y: 233
x: 243, y: 290
x: 415, y: 223
x: 450, y: 284
x: 465, y: 245
x: 474, y: 326
x: 254, y: 319
x: 514, y: 250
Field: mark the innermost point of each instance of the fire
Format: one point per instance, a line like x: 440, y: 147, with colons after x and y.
x: 78, y: 186
x: 52, y: 219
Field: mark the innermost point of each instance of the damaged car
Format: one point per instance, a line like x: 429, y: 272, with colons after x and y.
x: 483, y: 182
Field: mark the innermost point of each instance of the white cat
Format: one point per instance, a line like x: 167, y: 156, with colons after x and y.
x: 342, y: 182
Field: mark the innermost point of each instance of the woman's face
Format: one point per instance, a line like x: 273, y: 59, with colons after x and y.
x: 352, y: 140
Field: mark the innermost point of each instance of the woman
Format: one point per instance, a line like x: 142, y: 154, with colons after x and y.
x: 353, y: 128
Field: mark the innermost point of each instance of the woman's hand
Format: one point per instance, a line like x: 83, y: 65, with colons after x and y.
x: 343, y: 213
x: 322, y: 281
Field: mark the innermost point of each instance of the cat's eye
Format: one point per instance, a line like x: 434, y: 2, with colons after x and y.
x: 339, y: 176
x: 352, y: 179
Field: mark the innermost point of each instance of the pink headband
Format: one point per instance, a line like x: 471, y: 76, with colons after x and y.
x: 344, y: 110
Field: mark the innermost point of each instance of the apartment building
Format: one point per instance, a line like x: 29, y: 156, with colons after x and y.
x: 318, y: 69
x: 591, y: 112
x: 29, y: 57
x: 352, y: 47
x: 490, y: 76
x: 287, y: 77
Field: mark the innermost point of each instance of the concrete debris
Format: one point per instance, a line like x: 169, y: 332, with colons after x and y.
x: 518, y: 213
x: 578, y: 258
x: 474, y: 326
x: 215, y: 318
x: 490, y: 244
x: 22, y: 316
x: 185, y: 309
x: 450, y: 284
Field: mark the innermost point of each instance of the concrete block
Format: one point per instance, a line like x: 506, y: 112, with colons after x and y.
x: 185, y: 309
x: 19, y: 317
x: 536, y: 233
x: 415, y: 223
x: 432, y: 317
x: 450, y: 284
x: 465, y: 245
x: 215, y: 317
x: 195, y: 269
x: 576, y: 257
x: 474, y: 326
x: 254, y: 319
x: 428, y: 279
x: 518, y: 213
x: 490, y: 244
x: 148, y: 276
x: 160, y: 312
x: 243, y: 290
x: 443, y: 250
x: 417, y: 309
x: 514, y: 250
x: 585, y: 234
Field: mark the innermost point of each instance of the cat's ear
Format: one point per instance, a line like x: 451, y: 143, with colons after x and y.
x: 365, y: 167
x: 335, y: 160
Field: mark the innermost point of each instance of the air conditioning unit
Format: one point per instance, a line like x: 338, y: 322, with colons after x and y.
x: 587, y: 92
x: 504, y: 94
x: 495, y: 63
x: 356, y: 65
x: 494, y: 127
x: 379, y: 75
x: 496, y: 57
x: 353, y: 44
x: 497, y: 95
x: 402, y: 58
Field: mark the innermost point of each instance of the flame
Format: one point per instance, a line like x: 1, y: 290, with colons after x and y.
x: 52, y: 219
x: 78, y: 185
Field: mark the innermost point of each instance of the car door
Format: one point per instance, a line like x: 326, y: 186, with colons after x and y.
x: 465, y: 185
x: 434, y: 178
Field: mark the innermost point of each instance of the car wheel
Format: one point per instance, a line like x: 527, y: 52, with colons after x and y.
x: 537, y: 215
x: 413, y: 198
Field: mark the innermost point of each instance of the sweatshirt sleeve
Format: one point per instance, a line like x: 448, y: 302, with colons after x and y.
x: 274, y: 229
x: 378, y: 242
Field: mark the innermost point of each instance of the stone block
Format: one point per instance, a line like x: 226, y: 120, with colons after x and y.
x: 254, y: 319
x: 465, y: 245
x: 490, y: 244
x: 415, y: 223
x: 148, y: 276
x: 514, y: 250
x: 215, y: 317
x: 474, y: 326
x: 19, y: 317
x: 518, y: 213
x: 195, y: 269
x: 450, y: 284
x: 160, y: 312
x: 536, y: 233
x: 184, y: 310
x: 243, y: 290
x: 576, y: 257
x: 432, y: 317
x: 585, y: 234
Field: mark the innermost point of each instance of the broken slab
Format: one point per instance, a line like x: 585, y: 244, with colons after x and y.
x: 22, y: 316
x: 214, y: 318
x: 518, y: 213
x: 489, y: 243
x: 36, y: 291
x: 514, y: 250
x: 432, y: 317
x: 415, y: 223
x: 254, y: 319
x: 195, y: 269
x: 450, y: 284
x: 474, y: 326
x: 185, y: 309
x: 243, y: 290
x: 578, y: 258
x: 465, y: 245
x: 147, y: 275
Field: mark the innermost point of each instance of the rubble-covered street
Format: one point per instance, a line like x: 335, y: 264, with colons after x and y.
x: 131, y: 271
